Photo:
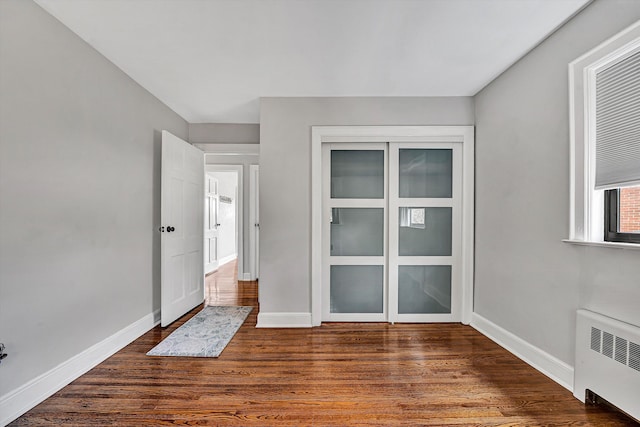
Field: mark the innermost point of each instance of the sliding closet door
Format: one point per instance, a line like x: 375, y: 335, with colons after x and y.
x: 425, y: 220
x: 355, y: 232
x: 392, y: 223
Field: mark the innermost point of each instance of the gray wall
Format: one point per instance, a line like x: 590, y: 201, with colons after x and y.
x: 224, y: 133
x: 79, y: 194
x: 527, y: 280
x: 285, y: 178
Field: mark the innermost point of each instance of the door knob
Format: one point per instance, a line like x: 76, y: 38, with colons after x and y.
x: 170, y: 229
x: 217, y: 225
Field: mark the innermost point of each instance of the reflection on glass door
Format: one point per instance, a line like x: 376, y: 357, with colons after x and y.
x: 355, y: 232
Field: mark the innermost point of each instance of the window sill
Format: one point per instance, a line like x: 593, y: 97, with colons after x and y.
x: 613, y: 245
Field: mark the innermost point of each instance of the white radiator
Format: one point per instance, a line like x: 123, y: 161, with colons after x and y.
x: 608, y: 361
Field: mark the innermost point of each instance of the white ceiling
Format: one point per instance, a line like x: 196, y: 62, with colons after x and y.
x: 211, y: 60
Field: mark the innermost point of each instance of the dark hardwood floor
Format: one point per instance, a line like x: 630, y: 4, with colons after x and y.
x: 338, y: 374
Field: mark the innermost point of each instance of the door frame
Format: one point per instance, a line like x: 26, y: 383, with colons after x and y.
x: 239, y: 170
x: 254, y: 221
x: 235, y: 154
x: 354, y: 134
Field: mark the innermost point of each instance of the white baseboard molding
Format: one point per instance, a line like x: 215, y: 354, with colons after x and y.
x: 227, y: 259
x: 549, y: 365
x: 284, y: 320
x: 18, y: 401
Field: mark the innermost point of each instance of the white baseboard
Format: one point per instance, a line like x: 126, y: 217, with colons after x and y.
x: 18, y: 401
x: 227, y: 259
x: 549, y: 365
x: 284, y: 320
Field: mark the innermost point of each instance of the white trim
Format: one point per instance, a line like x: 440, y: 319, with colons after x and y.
x: 284, y: 320
x: 586, y: 207
x: 246, y: 277
x: 254, y: 218
x: 239, y: 170
x: 229, y: 149
x: 317, y: 134
x: 18, y: 401
x: 613, y: 245
x: 320, y: 134
x: 226, y: 260
x: 552, y: 367
x: 468, y: 222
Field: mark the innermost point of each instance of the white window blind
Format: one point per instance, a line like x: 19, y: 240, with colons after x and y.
x: 618, y: 124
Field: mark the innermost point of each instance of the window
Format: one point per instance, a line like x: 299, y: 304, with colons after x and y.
x: 622, y: 215
x: 604, y: 87
x: 617, y: 145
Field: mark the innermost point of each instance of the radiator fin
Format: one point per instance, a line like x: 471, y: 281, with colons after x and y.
x: 621, y: 350
x: 614, y: 347
x: 607, y: 344
x: 596, y: 339
x: 634, y: 356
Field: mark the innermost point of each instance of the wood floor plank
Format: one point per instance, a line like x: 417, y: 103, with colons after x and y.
x: 337, y: 374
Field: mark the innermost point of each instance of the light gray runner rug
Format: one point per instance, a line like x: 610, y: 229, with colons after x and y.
x: 204, y: 335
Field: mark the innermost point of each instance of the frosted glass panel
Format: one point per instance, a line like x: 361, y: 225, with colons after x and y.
x: 424, y: 289
x: 356, y: 288
x: 424, y: 232
x: 357, y: 231
x: 425, y: 173
x: 357, y: 174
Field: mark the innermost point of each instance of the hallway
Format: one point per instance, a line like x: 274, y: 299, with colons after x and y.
x: 222, y: 288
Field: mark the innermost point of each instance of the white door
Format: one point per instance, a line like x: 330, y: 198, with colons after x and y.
x: 182, y: 225
x: 355, y: 232
x: 254, y: 221
x: 211, y: 224
x: 425, y: 232
x: 392, y: 232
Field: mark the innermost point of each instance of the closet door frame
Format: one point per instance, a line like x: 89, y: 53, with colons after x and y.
x: 356, y: 134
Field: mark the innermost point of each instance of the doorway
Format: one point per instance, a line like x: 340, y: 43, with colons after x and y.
x: 392, y: 223
x: 241, y: 158
x: 223, y: 217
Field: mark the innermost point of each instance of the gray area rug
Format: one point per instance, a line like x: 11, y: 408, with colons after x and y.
x: 204, y: 335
